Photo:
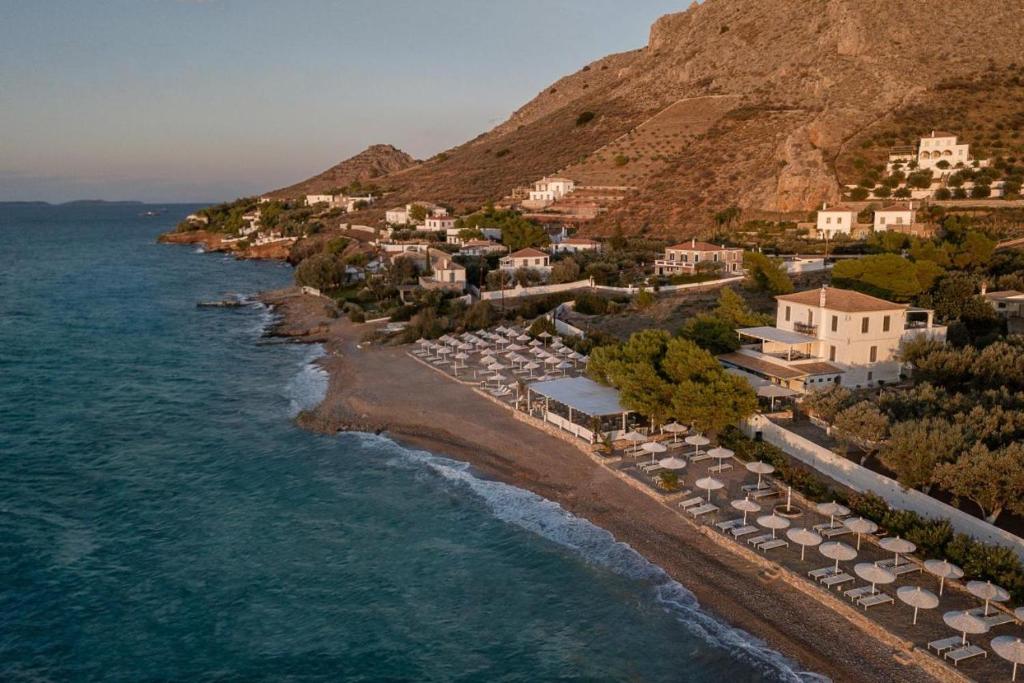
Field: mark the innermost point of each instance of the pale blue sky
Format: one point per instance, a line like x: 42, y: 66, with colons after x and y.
x: 166, y: 100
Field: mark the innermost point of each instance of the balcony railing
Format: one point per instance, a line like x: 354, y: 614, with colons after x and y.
x: 806, y: 328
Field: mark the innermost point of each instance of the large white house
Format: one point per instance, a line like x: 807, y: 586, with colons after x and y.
x: 548, y: 190
x: 399, y: 215
x: 439, y: 223
x: 573, y: 245
x: 684, y: 258
x: 531, y: 258
x: 898, y: 217
x: 445, y: 272
x: 941, y: 146
x: 836, y: 220
x: 831, y: 336
x: 338, y: 201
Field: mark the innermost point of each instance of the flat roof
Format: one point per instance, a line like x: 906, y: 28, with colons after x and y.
x: 774, y: 334
x: 581, y: 394
x: 760, y: 366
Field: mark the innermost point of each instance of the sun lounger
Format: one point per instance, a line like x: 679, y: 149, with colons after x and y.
x: 691, y: 502
x: 700, y: 457
x: 874, y: 599
x: 720, y: 468
x: 757, y: 540
x: 702, y: 510
x: 860, y: 592
x: 764, y: 493
x: 751, y: 488
x: 835, y: 531
x: 648, y: 466
x: 772, y: 544
x: 819, y: 574
x: 961, y: 653
x: 901, y: 568
x: 740, y: 532
x: 730, y: 524
x: 826, y: 526
x: 944, y: 644
x: 998, y: 619
x: 836, y: 579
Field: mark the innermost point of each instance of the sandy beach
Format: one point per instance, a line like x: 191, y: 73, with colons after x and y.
x: 382, y: 389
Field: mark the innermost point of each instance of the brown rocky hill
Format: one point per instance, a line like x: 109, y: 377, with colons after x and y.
x: 370, y: 165
x: 754, y: 103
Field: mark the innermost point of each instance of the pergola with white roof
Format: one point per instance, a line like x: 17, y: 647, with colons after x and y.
x: 579, y: 396
x: 783, y: 338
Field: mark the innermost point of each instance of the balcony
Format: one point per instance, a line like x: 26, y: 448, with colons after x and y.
x: 806, y: 328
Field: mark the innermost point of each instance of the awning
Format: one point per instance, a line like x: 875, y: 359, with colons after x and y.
x: 774, y: 334
x: 775, y: 391
x: 582, y: 395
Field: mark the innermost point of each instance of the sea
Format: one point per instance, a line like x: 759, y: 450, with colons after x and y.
x: 163, y: 519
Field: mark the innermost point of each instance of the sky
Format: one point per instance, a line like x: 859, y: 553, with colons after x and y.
x: 208, y: 100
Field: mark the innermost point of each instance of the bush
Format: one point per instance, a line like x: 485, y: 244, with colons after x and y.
x: 943, y: 194
x: 859, y: 194
x: 621, y: 160
x: 584, y: 118
x: 356, y: 314
x: 590, y: 303
x: 980, y: 191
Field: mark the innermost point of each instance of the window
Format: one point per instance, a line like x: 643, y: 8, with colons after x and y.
x: 832, y: 353
x: 835, y: 323
x: 839, y: 220
x: 828, y: 220
x: 871, y: 375
x: 864, y: 325
x: 873, y: 356
x: 885, y: 324
x: 787, y: 314
x: 881, y: 220
x: 899, y: 220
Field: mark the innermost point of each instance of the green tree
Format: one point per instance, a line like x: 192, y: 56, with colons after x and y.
x: 886, y: 275
x: 711, y: 333
x: 862, y: 425
x: 992, y: 480
x: 566, y: 270
x: 829, y: 403
x: 916, y: 447
x: 323, y: 271
x: 417, y: 213
x: 766, y: 274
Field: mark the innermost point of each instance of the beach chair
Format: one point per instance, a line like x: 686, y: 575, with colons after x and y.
x: 702, y: 510
x: 836, y: 579
x: 827, y: 526
x: 772, y: 544
x: 764, y: 493
x: 700, y: 457
x: 961, y: 653
x: 717, y: 469
x: 874, y: 599
x: 998, y: 619
x: 857, y: 593
x: 835, y: 531
x: 730, y: 524
x: 757, y: 540
x: 740, y: 532
x: 945, y: 644
x: 819, y: 574
x: 691, y: 502
x: 899, y: 569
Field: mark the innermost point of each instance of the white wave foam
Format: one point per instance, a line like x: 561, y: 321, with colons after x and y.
x: 199, y: 250
x: 597, y: 546
x: 308, y: 387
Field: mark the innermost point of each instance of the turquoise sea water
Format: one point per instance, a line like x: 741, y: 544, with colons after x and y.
x: 162, y: 519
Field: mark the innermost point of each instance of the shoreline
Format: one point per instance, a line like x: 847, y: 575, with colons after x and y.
x: 384, y: 390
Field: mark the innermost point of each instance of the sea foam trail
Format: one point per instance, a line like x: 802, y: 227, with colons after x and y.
x: 308, y: 387
x: 597, y: 546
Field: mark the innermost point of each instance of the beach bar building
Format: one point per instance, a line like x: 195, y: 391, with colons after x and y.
x: 576, y: 405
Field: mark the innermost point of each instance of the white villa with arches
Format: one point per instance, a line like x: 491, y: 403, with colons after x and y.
x: 941, y: 146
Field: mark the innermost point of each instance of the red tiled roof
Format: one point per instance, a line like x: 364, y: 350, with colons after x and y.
x: 758, y: 365
x: 699, y: 246
x: 845, y: 300
x: 528, y: 252
x: 577, y: 240
x: 839, y: 207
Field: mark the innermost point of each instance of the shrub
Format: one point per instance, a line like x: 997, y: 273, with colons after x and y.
x: 584, y: 118
x: 980, y: 191
x: 621, y: 160
x: 943, y: 194
x: 859, y: 194
x: 501, y: 152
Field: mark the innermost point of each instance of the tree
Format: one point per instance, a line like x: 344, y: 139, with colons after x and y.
x: 566, y: 270
x: 974, y: 251
x: 916, y: 447
x: 584, y: 118
x: 323, y: 271
x: 862, y: 425
x: 417, y: 213
x: 766, y: 274
x: 886, y: 275
x: 829, y: 403
x: 711, y: 334
x: 992, y: 480
x: 520, y: 233
x: 859, y: 194
x: 943, y: 194
x: 644, y: 299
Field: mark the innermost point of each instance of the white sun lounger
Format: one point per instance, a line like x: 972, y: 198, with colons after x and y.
x: 827, y: 526
x: 944, y: 644
x: 764, y: 493
x: 700, y: 457
x: 691, y: 502
x: 757, y: 540
x: 720, y: 468
x: 874, y: 599
x: 859, y: 592
x: 836, y: 580
x: 740, y: 532
x: 961, y: 653
x: 835, y: 531
x: 772, y: 544
x: 824, y: 572
x: 751, y: 488
x: 730, y: 524
x: 702, y: 510
x: 998, y: 619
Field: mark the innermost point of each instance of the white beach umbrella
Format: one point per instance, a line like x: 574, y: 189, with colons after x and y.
x: 832, y: 509
x: 720, y: 453
x: 760, y: 469
x: 964, y: 622
x: 531, y: 366
x: 515, y: 347
x: 563, y: 366
x: 709, y: 484
x: 696, y: 440
x: 745, y: 505
x: 773, y: 522
x: 653, y: 447
x: 545, y: 335
x: 944, y: 569
x: 672, y: 463
x: 897, y: 545
x: 987, y: 591
x: 523, y: 337
x: 1010, y: 648
x: 860, y: 525
x: 873, y: 574
x: 635, y: 438
x: 804, y: 537
x: 837, y: 550
x: 459, y: 356
x: 918, y: 598
x: 565, y: 351
x: 552, y: 360
x: 496, y: 377
x: 673, y: 428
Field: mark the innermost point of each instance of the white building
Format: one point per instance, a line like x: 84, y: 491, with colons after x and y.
x: 439, y: 223
x: 899, y: 217
x: 452, y: 235
x: 399, y: 215
x: 1008, y: 303
x: 312, y: 199
x: 941, y: 146
x: 835, y: 220
x: 446, y: 273
x: 832, y: 336
x: 573, y: 245
x: 683, y: 258
x: 338, y: 201
x: 549, y: 190
x: 531, y: 258
x: 481, y: 248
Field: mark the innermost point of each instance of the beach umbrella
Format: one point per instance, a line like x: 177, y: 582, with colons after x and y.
x: 805, y: 537
x: 873, y: 574
x: 944, y: 569
x: 1010, y: 648
x: 832, y: 509
x: 720, y: 453
x: 675, y: 429
x: 544, y: 335
x: 515, y: 347
x: 918, y: 598
x: 696, y: 440
x: 496, y: 377
x: 653, y: 447
x: 635, y: 438
x: 837, y: 550
x: 759, y: 468
x: 987, y: 591
x: 536, y: 343
x: 563, y: 366
x: 745, y: 505
x: 459, y: 356
x: 964, y: 622
x: 859, y: 525
x: 897, y: 545
x: 523, y: 338
x: 531, y: 366
x: 773, y: 522
x: 709, y: 484
x: 565, y: 351
x: 672, y: 463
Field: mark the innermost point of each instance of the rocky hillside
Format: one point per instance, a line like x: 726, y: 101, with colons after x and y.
x: 373, y: 163
x: 805, y: 82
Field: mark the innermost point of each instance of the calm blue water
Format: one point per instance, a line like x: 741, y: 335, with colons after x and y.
x: 162, y: 519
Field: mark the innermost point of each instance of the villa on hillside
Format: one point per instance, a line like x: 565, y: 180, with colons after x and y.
x: 1008, y: 303
x: 898, y: 217
x: 453, y: 235
x: 684, y: 258
x: 530, y: 258
x: 836, y: 220
x: 572, y: 245
x: 399, y: 215
x: 339, y: 201
x: 547, y: 191
x: 831, y: 336
x: 940, y: 146
x: 481, y: 248
x: 445, y: 272
x: 435, y: 223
